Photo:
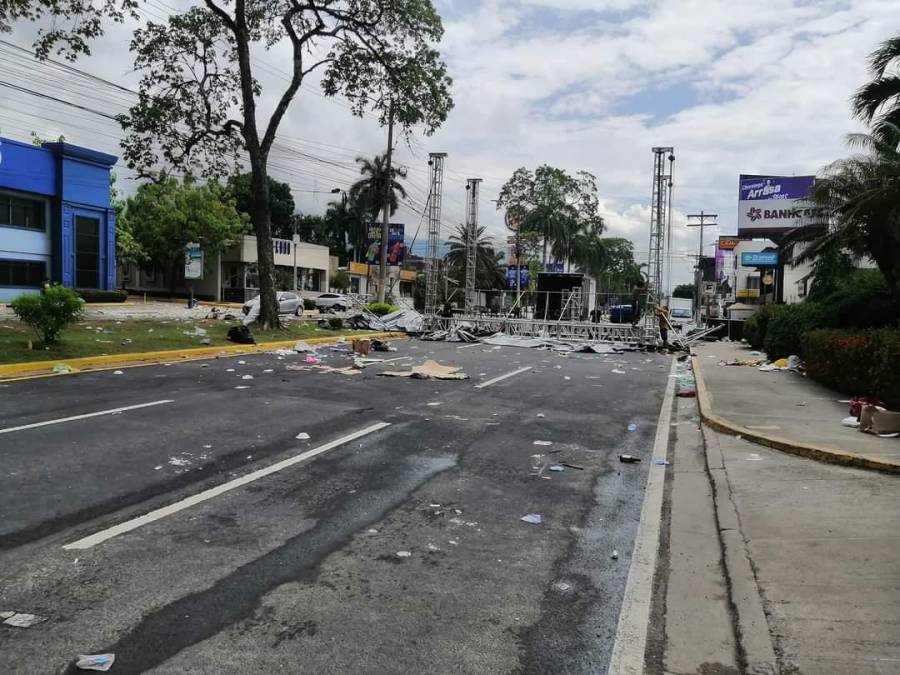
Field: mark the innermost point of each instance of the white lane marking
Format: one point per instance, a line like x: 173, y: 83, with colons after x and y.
x: 631, y: 634
x: 501, y: 377
x: 116, y: 530
x: 111, y: 411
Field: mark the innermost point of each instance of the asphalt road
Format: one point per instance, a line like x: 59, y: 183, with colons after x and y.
x: 298, y: 571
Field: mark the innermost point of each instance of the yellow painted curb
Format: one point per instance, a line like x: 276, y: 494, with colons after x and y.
x: 10, y: 372
x: 812, y: 451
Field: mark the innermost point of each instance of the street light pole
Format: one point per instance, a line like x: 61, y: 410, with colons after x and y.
x: 386, y: 223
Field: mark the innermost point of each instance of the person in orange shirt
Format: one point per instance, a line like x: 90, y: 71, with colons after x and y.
x: 662, y: 315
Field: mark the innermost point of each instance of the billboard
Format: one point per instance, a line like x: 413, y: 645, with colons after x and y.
x: 511, y: 276
x: 729, y: 243
x: 759, y: 259
x: 396, y: 247
x: 772, y: 204
x: 193, y: 261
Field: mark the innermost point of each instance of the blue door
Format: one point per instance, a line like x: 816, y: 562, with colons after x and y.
x: 89, y: 249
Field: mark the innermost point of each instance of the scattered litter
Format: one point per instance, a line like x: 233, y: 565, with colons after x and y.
x: 229, y: 370
x: 23, y: 620
x: 157, y: 468
x: 629, y: 459
x: 540, y: 415
x: 179, y: 461
x: 662, y: 462
x: 543, y: 443
x: 614, y: 555
x: 453, y: 542
x: 101, y: 662
x: 312, y: 359
x: 632, y: 427
x: 268, y: 370
x: 63, y: 368
x: 427, y: 371
x: 246, y: 377
x: 557, y: 467
x: 382, y: 346
x: 617, y: 371
x: 562, y: 586
x: 243, y: 386
x: 434, y: 403
x: 877, y: 420
x: 302, y: 436
x: 566, y: 377
x: 242, y: 363
x: 572, y: 466
x: 118, y: 372
x: 403, y: 554
x: 850, y: 422
x: 533, y: 518
x: 432, y: 547
x: 300, y: 346
x: 372, y: 531
x: 361, y: 346
x: 241, y: 335
x: 754, y: 457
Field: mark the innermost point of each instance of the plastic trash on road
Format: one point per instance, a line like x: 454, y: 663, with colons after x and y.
x: 632, y: 427
x: 533, y: 518
x: 101, y: 662
x: 23, y: 620
x: 629, y: 459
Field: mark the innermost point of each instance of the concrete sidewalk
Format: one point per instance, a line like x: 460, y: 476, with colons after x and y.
x: 784, y: 410
x: 823, y: 545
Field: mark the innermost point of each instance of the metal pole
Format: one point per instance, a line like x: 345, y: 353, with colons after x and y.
x: 386, y: 223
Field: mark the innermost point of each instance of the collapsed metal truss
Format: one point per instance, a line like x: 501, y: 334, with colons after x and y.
x: 432, y: 260
x: 471, y: 241
x: 617, y: 333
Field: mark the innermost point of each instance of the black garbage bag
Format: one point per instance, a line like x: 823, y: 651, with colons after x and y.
x: 241, y: 335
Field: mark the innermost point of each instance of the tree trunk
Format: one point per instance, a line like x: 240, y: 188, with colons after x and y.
x: 173, y: 271
x: 265, y: 254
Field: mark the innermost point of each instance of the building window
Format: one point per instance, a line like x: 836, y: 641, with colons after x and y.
x: 20, y: 212
x: 753, y: 283
x: 87, y: 252
x: 22, y: 273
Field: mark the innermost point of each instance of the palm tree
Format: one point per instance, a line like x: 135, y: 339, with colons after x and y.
x: 368, y: 192
x: 488, y: 273
x: 858, y: 206
x: 877, y: 103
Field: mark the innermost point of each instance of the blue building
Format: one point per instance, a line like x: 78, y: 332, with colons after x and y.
x: 56, y: 223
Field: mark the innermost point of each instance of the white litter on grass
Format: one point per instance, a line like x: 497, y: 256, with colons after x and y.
x: 246, y: 377
x: 403, y: 554
x: 303, y: 436
x: 617, y: 371
x: 543, y: 443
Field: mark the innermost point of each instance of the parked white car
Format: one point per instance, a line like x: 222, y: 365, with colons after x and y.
x: 288, y: 303
x: 333, y: 301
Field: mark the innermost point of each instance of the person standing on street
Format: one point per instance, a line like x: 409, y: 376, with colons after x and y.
x: 662, y: 315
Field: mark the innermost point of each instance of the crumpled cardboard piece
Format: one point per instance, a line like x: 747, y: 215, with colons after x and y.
x: 878, y: 421
x: 430, y: 370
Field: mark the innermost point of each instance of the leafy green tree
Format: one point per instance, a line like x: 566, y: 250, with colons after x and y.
x: 877, y: 103
x: 128, y: 250
x: 488, y: 272
x: 368, y: 192
x: 199, y: 94
x: 858, y: 205
x: 50, y: 312
x: 685, y: 291
x: 281, y: 202
x: 620, y: 272
x: 340, y: 280
x: 562, y: 208
x: 165, y: 216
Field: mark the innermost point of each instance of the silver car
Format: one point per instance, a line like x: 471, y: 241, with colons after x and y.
x: 332, y: 301
x: 288, y: 303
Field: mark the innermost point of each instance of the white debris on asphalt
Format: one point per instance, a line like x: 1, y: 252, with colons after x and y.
x: 23, y: 620
x: 403, y: 554
x: 302, y: 436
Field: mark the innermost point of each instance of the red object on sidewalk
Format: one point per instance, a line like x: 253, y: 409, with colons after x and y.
x: 857, y: 403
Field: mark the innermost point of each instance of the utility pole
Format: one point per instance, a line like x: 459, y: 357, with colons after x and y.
x: 386, y: 223
x: 702, y: 217
x: 432, y: 261
x: 471, y: 242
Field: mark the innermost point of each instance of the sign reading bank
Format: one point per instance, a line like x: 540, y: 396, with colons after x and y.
x: 773, y: 204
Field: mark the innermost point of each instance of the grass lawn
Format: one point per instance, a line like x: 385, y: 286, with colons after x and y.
x: 96, y: 338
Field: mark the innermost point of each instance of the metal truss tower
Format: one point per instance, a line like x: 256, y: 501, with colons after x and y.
x: 471, y: 241
x: 436, y: 161
x: 659, y: 230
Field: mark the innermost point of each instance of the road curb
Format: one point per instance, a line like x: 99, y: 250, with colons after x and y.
x: 809, y: 450
x: 756, y: 651
x: 12, y: 372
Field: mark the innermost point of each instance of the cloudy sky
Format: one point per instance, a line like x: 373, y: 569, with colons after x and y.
x: 735, y: 87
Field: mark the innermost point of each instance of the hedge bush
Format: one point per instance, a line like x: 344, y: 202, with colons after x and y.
x: 92, y: 295
x: 856, y: 362
x: 755, y: 327
x: 49, y: 313
x: 785, y: 330
x: 381, y: 308
x: 309, y: 303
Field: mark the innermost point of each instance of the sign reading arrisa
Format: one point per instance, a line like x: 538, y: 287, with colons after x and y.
x: 773, y: 204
